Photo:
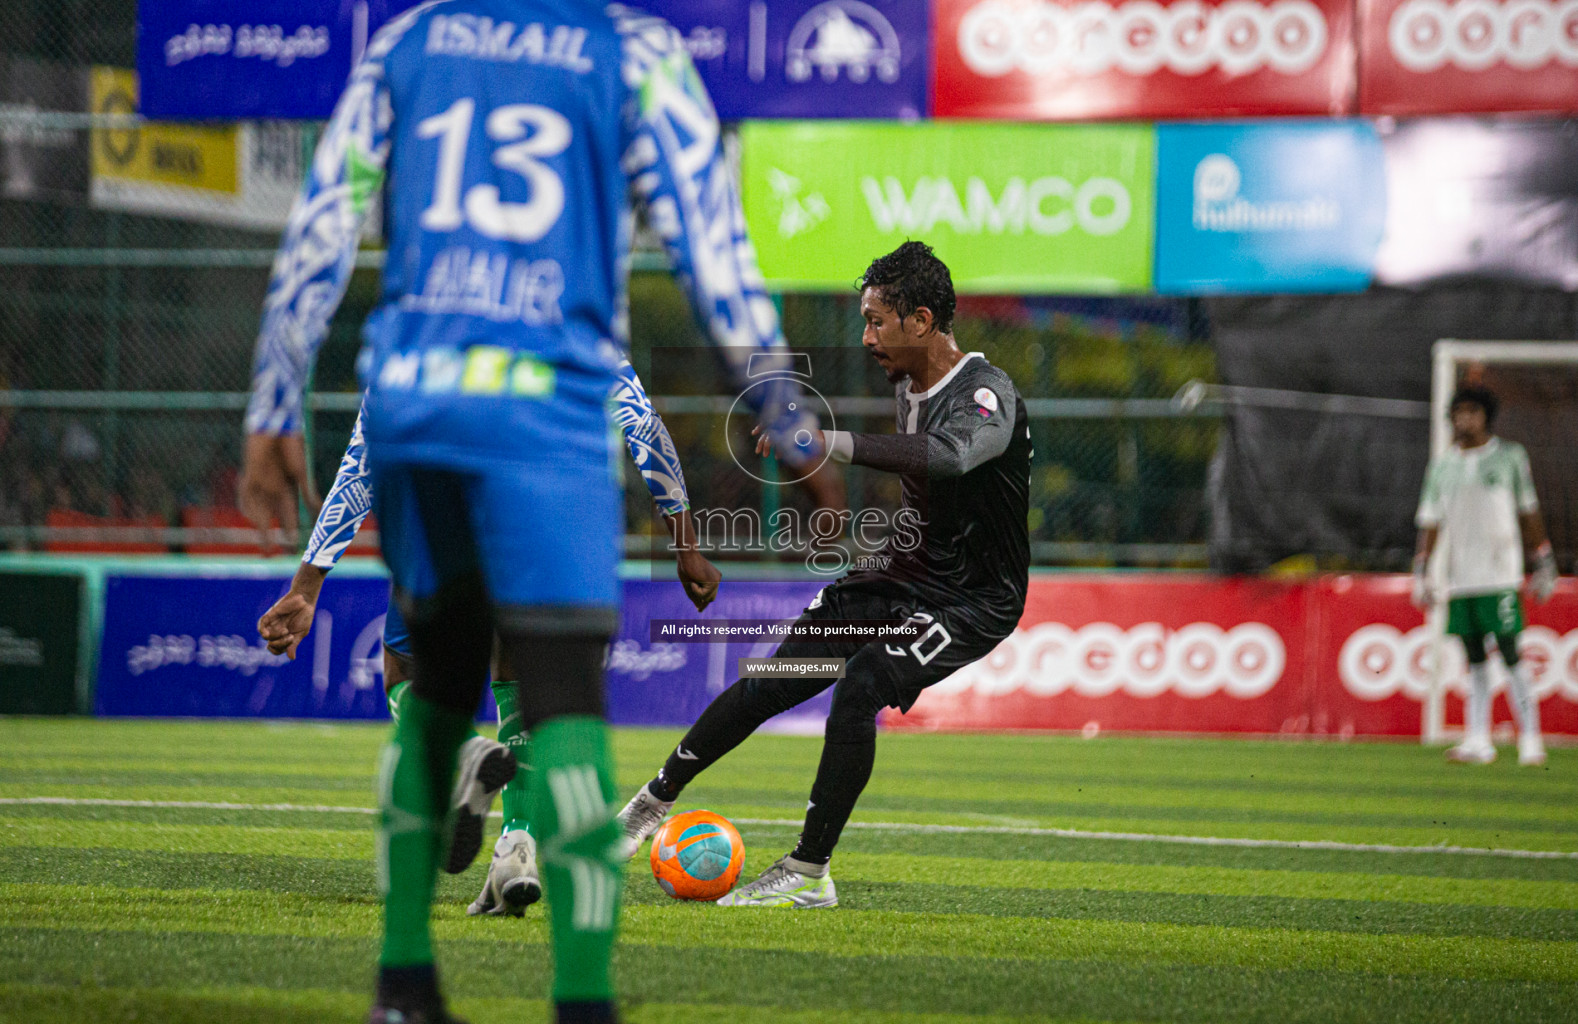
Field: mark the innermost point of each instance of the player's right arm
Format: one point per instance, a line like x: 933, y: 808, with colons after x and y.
x: 1428, y: 519
x: 314, y: 265
x: 285, y: 625
x: 676, y: 163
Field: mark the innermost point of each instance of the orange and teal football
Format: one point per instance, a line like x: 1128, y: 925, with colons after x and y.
x: 697, y: 855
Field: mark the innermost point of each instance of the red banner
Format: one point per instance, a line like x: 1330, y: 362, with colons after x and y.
x: 1141, y: 60
x: 1468, y: 56
x: 1342, y: 655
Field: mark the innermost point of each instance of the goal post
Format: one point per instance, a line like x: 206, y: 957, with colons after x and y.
x: 1451, y: 358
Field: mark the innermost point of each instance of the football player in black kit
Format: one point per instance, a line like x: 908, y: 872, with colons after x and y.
x: 962, y: 451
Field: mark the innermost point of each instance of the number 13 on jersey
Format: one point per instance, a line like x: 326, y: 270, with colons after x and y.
x: 522, y: 135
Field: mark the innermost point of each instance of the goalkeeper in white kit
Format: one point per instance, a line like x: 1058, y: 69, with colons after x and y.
x: 1480, y: 491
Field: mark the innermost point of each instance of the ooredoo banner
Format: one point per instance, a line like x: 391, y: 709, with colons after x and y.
x: 1139, y: 59
x: 1345, y: 656
x: 1468, y: 56
x: 1270, y: 207
x: 807, y: 58
x: 1009, y: 208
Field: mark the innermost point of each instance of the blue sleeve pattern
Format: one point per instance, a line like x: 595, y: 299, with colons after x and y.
x: 345, y: 507
x: 676, y: 161
x: 651, y: 447
x: 318, y: 252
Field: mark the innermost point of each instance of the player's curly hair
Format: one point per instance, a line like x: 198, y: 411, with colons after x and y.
x: 910, y: 277
x: 1476, y: 394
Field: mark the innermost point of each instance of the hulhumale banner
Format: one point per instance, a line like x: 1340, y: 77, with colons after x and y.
x: 235, y: 59
x: 1136, y: 59
x: 807, y: 59
x: 1268, y: 207
x: 1010, y: 208
x: 1468, y: 56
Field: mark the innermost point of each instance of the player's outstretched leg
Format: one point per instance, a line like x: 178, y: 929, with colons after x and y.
x: 726, y: 723
x: 803, y: 879
x: 571, y: 785
x: 512, y: 884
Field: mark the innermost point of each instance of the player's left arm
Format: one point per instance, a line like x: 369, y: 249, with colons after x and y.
x: 652, y: 450
x: 313, y: 267
x: 1536, y: 546
x: 976, y: 430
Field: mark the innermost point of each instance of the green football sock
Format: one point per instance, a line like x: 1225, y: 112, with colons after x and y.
x: 572, y: 788
x: 415, y: 774
x: 396, y: 694
x: 512, y: 734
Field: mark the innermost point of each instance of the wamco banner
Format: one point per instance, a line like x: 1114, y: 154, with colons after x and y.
x: 1138, y: 59
x: 807, y: 59
x: 1010, y: 208
x: 1275, y: 207
x: 1468, y: 56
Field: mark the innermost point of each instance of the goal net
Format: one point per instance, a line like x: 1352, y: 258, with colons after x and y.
x: 1537, y: 386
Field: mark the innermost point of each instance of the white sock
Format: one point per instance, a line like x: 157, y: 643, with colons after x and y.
x: 1476, y: 713
x: 1524, y: 707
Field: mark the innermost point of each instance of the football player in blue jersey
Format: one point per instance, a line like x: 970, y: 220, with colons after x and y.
x: 508, y: 139
x: 512, y: 883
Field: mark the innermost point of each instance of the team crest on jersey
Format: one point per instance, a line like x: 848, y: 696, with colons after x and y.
x: 987, y: 400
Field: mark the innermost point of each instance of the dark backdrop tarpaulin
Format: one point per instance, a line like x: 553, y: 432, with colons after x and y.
x: 1344, y: 487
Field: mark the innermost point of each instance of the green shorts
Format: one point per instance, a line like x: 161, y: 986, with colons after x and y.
x: 1479, y: 616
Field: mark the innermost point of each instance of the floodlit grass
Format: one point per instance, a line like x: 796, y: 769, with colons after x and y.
x: 267, y: 911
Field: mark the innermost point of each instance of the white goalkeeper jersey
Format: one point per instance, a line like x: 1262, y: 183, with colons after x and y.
x: 1476, y: 494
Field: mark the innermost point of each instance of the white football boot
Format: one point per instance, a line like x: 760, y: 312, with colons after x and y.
x: 1531, y: 750
x: 512, y: 884
x: 484, y: 767
x: 783, y: 885
x: 640, y: 818
x: 1474, y: 751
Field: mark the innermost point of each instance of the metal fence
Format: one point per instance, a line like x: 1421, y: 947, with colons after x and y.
x: 130, y: 298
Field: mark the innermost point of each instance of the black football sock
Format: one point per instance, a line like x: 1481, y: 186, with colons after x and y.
x: 409, y: 988
x: 842, y: 775
x: 594, y: 1011
x: 732, y: 716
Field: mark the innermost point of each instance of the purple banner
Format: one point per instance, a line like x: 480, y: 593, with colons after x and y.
x: 672, y: 683
x: 804, y: 59
x: 188, y: 647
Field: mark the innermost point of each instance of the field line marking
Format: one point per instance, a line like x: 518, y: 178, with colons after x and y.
x: 876, y: 826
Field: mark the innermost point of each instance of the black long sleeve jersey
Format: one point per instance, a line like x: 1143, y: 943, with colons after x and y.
x: 963, y: 454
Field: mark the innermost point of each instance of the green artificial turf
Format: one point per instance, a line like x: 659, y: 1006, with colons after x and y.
x: 266, y: 909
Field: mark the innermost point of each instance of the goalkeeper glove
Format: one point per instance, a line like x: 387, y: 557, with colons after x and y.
x: 1542, y: 581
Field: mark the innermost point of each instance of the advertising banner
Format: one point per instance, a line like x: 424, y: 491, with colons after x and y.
x: 1467, y: 56
x: 805, y: 58
x: 1373, y: 665
x: 181, y: 646
x: 39, y: 615
x: 240, y: 175
x: 38, y: 162
x: 1192, y: 654
x: 670, y: 684
x: 1343, y: 656
x: 1276, y: 207
x: 239, y: 59
x: 1480, y: 198
x: 1009, y: 208
x: 1137, y: 59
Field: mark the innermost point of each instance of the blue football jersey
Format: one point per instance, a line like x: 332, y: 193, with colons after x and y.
x: 508, y: 140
